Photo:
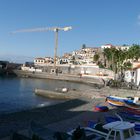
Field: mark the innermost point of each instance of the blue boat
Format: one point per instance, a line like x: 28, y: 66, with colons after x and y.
x: 129, y: 116
x: 132, y: 105
x: 101, y: 108
x: 129, y: 102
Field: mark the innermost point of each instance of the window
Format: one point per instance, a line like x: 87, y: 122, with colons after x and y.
x: 132, y: 132
x: 126, y: 134
x: 118, y: 136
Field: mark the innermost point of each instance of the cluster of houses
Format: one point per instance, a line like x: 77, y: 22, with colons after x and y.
x: 79, y: 57
x: 83, y: 59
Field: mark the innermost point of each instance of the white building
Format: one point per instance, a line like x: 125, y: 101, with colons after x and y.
x: 122, y: 47
x: 137, y: 76
x: 133, y: 75
x: 43, y: 61
x: 107, y: 46
x: 128, y: 77
x: 115, y: 46
x: 31, y: 69
x: 39, y: 61
x: 85, y: 55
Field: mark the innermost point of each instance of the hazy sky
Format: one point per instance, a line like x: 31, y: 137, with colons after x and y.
x: 94, y: 22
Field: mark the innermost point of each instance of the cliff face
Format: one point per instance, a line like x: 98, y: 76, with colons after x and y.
x: 3, y: 67
x: 7, y: 68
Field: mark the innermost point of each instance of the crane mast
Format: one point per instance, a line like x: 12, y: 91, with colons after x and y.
x: 56, y: 46
x: 45, y: 29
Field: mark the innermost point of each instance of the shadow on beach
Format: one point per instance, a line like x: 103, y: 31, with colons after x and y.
x: 59, y: 117
x: 44, y: 115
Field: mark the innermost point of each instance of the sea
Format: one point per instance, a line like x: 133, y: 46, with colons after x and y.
x: 17, y: 94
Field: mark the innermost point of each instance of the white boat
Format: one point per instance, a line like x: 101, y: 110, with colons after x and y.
x: 119, y: 130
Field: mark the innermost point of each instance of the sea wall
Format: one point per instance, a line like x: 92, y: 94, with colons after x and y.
x: 76, y: 69
x: 66, y: 77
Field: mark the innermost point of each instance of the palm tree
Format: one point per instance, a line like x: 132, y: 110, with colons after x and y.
x: 96, y: 58
x: 116, y: 59
x: 134, y: 52
x: 127, y: 65
x: 121, y: 58
x: 107, y: 56
x: 111, y: 55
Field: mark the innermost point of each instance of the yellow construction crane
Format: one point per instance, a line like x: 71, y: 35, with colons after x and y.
x: 55, y: 29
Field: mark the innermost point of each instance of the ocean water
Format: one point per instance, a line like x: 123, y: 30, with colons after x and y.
x: 17, y: 94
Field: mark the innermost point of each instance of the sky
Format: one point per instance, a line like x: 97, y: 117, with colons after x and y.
x: 94, y: 23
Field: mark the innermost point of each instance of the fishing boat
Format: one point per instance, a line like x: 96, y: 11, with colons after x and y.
x: 118, y: 130
x: 114, y: 102
x: 117, y: 98
x: 121, y: 101
x: 101, y: 108
x: 132, y: 105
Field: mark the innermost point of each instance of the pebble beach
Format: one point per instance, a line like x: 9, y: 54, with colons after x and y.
x: 63, y: 116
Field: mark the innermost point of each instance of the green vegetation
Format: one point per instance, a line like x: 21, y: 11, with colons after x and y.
x: 96, y: 57
x: 119, y: 60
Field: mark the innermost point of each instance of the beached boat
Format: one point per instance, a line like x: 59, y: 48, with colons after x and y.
x: 101, y: 108
x: 85, y: 133
x: 120, y: 101
x: 132, y: 105
x: 113, y: 102
x: 117, y: 98
x: 118, y: 130
x: 54, y: 94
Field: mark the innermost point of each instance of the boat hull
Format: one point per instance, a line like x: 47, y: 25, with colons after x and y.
x: 132, y: 105
x: 120, y: 101
x: 115, y: 102
x: 101, y: 108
